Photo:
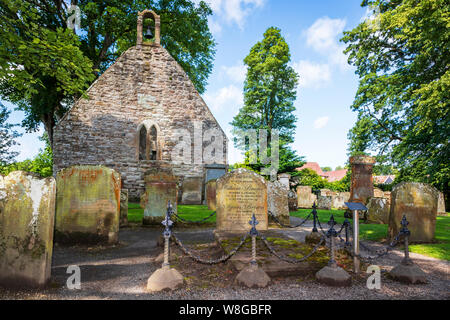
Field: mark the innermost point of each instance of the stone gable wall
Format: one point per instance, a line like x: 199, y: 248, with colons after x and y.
x: 144, y: 85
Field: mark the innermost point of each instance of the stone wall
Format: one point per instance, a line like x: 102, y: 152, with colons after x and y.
x: 87, y: 205
x: 144, y: 87
x: 27, y: 213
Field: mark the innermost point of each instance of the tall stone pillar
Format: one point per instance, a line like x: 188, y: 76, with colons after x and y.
x: 361, y: 188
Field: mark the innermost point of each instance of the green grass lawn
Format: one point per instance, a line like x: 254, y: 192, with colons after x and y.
x: 372, y: 232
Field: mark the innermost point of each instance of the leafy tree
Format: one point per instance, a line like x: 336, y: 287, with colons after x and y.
x: 269, y: 95
x: 7, y: 136
x: 44, y: 66
x: 42, y: 164
x: 326, y: 169
x: 339, y: 168
x: 402, y: 59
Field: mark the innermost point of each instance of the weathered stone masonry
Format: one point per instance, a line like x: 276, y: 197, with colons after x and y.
x: 144, y: 88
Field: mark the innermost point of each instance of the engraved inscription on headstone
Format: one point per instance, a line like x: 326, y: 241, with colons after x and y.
x: 240, y: 194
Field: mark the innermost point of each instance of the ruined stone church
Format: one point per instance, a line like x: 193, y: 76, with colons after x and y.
x: 132, y: 117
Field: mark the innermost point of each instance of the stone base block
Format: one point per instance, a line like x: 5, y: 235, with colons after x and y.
x: 313, y: 238
x: 165, y: 278
x: 334, y: 276
x: 408, y: 273
x: 253, y: 277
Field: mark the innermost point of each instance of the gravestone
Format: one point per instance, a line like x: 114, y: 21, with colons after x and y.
x: 211, y: 194
x: 378, y: 193
x: 123, y: 208
x: 27, y: 213
x: 192, y: 190
x: 441, y: 205
x: 361, y: 187
x: 305, y: 197
x: 277, y: 201
x: 338, y: 201
x: 284, y: 179
x: 418, y: 201
x: 161, y: 186
x: 378, y: 210
x: 87, y: 205
x: 240, y: 194
x: 324, y: 202
x: 292, y: 200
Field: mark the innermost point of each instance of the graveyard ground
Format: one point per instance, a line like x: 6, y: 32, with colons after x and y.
x: 121, y: 271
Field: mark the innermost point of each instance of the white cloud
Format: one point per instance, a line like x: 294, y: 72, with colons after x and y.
x: 319, y: 123
x: 236, y: 73
x: 229, y: 97
x: 312, y: 75
x: 323, y: 37
x: 231, y: 12
x: 323, y: 33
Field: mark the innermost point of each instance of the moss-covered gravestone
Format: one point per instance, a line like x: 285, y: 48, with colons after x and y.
x: 27, y: 210
x: 240, y: 194
x: 305, y: 197
x: 161, y: 186
x: 277, y: 202
x: 87, y: 205
x: 418, y: 201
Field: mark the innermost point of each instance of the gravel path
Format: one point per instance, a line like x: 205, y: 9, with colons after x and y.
x: 121, y: 272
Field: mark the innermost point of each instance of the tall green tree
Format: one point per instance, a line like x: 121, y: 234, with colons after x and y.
x: 45, y: 66
x: 7, y: 137
x: 270, y: 90
x: 402, y: 58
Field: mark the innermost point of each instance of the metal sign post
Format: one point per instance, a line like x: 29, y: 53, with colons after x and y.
x: 356, y: 207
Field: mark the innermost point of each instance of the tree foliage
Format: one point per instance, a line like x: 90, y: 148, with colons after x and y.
x: 42, y: 164
x: 7, y: 136
x: 45, y: 66
x: 402, y: 58
x: 269, y: 95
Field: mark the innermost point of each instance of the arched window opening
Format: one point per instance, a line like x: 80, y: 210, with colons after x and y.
x: 143, y: 143
x: 153, y: 143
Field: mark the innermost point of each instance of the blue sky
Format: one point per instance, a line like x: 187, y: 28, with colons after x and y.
x: 327, y: 84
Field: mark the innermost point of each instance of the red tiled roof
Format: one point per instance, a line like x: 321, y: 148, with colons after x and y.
x: 313, y: 166
x: 337, y: 175
x: 383, y: 179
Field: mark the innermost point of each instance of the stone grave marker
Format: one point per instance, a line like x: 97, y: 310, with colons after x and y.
x: 240, y: 194
x: 87, y: 205
x: 418, y: 201
x: 192, y: 190
x: 277, y: 201
x: 161, y: 186
x: 305, y: 197
x: 27, y: 213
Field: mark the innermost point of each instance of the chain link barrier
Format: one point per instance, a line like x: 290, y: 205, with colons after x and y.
x: 288, y: 226
x: 189, y: 221
x: 289, y: 260
x: 213, y: 261
x: 376, y: 253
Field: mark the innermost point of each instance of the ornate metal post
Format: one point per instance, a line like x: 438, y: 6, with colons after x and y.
x: 252, y: 275
x: 347, y: 227
x: 333, y: 274
x: 165, y: 277
x: 407, y: 271
x: 332, y: 234
x: 314, y: 212
x: 406, y: 233
x: 167, y: 223
x: 253, y: 233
